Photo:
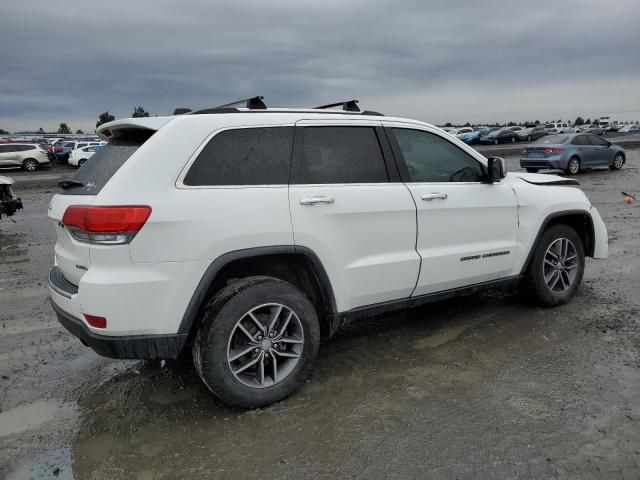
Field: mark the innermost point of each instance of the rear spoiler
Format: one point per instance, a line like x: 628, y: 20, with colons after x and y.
x: 109, y: 130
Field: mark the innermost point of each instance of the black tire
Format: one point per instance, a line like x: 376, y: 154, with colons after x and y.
x: 30, y: 165
x: 618, y: 162
x: 533, y: 286
x: 81, y: 162
x: 574, y: 166
x: 532, y: 170
x: 219, y: 318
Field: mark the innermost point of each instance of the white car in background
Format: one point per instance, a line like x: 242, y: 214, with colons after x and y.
x: 80, y: 155
x: 28, y: 156
x: 463, y: 131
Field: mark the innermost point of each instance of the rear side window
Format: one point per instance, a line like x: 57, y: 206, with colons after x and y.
x: 341, y: 155
x: 99, y: 169
x: 244, y: 156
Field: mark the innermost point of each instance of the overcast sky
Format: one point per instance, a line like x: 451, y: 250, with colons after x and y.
x: 438, y: 61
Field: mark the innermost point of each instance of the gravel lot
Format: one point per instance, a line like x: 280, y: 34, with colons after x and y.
x: 484, y: 387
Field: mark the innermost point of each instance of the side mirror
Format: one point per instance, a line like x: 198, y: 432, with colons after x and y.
x: 496, y: 169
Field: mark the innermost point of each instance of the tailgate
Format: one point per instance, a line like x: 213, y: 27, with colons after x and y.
x: 71, y: 257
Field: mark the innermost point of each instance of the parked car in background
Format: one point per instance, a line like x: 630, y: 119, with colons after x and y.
x: 572, y: 153
x: 475, y: 136
x: 561, y: 127
x: 532, y: 132
x: 630, y: 129
x: 503, y: 135
x: 28, y: 156
x: 463, y: 131
x: 79, y: 156
x: 596, y: 129
x: 9, y: 203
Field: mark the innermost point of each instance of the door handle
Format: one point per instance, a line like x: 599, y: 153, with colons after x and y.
x: 434, y: 196
x: 316, y: 199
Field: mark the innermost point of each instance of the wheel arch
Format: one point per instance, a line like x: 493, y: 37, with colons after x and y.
x: 297, y: 265
x: 579, y: 220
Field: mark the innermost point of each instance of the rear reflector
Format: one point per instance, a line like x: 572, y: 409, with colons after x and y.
x: 105, y: 225
x: 96, y: 322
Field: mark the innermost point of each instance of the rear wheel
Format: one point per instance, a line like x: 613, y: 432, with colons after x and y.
x: 618, y: 162
x: 81, y: 162
x: 556, y: 267
x: 573, y: 167
x: 532, y: 170
x: 30, y: 165
x: 257, y: 343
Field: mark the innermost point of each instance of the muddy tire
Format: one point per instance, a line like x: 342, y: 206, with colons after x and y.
x: 30, y: 165
x: 257, y: 342
x: 556, y: 268
x: 618, y: 162
x: 573, y: 167
x: 533, y: 170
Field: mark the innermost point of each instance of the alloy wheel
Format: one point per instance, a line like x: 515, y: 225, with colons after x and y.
x: 574, y: 166
x: 265, y: 345
x: 618, y: 161
x: 560, y: 265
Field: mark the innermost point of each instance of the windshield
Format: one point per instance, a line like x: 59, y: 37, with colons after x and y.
x: 553, y: 139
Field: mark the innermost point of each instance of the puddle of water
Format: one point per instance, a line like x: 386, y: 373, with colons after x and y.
x: 55, y: 463
x: 28, y: 416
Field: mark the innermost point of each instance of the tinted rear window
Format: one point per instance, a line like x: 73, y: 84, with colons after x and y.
x: 341, y: 155
x: 553, y: 139
x: 99, y: 169
x: 244, y: 156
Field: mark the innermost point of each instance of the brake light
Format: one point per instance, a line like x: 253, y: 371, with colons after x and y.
x: 554, y: 149
x: 114, y: 225
x: 95, y: 321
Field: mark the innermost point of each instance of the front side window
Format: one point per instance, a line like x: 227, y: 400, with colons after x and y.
x: 244, y: 156
x: 341, y: 155
x: 431, y: 158
x: 597, y: 141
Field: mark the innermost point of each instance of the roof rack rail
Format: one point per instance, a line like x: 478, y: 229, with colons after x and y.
x: 253, y: 103
x: 347, y: 106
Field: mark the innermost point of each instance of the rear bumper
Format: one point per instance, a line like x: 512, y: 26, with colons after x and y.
x: 143, y: 347
x: 155, y: 346
x: 542, y: 163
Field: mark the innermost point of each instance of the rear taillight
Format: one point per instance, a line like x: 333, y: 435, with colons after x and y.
x: 554, y: 149
x: 115, y: 225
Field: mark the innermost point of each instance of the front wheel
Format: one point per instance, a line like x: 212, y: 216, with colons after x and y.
x: 573, y: 167
x: 30, y: 165
x: 556, y: 267
x: 618, y: 162
x: 257, y: 342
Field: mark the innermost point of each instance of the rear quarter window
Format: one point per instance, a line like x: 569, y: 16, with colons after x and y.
x: 243, y: 156
x: 99, y: 169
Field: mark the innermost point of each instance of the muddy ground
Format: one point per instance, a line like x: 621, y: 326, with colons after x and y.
x: 484, y: 387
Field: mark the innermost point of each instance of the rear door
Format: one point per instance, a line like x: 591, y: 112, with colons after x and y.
x: 584, y: 149
x: 8, y: 156
x: 467, y: 229
x: 349, y: 206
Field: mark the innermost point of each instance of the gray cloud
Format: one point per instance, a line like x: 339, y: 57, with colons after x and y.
x: 437, y: 61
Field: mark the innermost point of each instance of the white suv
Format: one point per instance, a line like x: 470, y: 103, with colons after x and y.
x: 29, y: 156
x: 247, y: 235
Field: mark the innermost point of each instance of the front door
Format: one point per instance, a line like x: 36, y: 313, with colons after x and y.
x: 467, y: 229
x: 350, y: 208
